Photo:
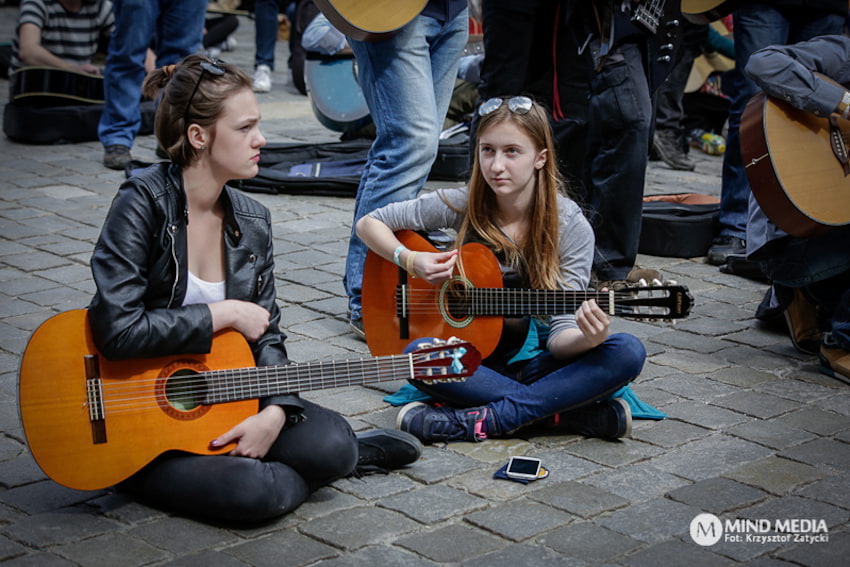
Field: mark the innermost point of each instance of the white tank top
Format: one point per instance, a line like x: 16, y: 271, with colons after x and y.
x: 200, y: 291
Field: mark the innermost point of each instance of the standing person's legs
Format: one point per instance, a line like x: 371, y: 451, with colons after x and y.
x: 407, y: 81
x: 265, y: 25
x: 135, y: 21
x: 180, y: 30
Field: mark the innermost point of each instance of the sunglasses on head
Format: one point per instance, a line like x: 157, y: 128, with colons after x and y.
x: 516, y: 104
x: 211, y: 67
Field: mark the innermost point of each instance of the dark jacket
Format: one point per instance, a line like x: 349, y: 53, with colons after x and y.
x: 140, y: 268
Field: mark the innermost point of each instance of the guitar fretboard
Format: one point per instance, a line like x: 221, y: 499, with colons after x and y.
x: 507, y: 302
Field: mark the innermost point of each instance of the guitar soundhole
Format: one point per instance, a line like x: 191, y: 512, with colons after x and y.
x: 180, y: 390
x: 456, y: 302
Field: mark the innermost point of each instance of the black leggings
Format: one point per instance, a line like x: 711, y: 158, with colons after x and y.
x: 306, y: 456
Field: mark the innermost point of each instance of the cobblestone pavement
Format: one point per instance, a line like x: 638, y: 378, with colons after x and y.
x: 754, y: 431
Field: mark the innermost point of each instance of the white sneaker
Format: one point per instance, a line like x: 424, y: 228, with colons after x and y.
x: 229, y: 44
x: 263, y: 79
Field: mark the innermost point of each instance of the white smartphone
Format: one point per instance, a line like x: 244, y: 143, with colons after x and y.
x: 527, y: 468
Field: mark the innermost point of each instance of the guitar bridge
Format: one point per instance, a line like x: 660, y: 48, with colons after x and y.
x: 94, y: 399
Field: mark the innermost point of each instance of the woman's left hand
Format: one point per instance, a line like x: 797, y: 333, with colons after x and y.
x: 593, y: 322
x: 255, y: 435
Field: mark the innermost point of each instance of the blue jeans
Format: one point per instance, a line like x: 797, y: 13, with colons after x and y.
x: 407, y: 81
x: 265, y: 30
x: 545, y: 385
x: 756, y: 27
x: 177, y: 27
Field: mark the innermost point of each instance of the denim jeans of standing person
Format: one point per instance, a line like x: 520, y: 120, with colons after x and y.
x: 544, y: 385
x: 757, y: 26
x: 265, y: 29
x: 620, y: 121
x: 407, y: 81
x: 176, y: 25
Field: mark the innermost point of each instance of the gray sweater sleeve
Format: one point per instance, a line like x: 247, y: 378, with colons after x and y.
x: 427, y: 212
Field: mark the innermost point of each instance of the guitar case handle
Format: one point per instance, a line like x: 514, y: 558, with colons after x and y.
x: 839, y: 146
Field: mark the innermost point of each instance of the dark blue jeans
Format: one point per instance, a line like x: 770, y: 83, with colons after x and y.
x: 306, y: 456
x: 544, y: 385
x: 757, y: 26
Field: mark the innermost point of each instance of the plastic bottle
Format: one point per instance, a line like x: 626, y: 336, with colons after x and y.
x: 709, y: 142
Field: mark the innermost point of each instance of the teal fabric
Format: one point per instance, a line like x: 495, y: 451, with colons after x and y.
x: 640, y: 409
x: 535, y: 341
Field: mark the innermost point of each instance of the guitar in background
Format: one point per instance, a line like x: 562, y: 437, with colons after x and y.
x: 370, y: 20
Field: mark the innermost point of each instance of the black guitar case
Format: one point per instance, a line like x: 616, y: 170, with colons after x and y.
x: 678, y: 225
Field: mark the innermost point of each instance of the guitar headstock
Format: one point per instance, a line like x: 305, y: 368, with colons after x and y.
x: 445, y: 361
x: 664, y: 301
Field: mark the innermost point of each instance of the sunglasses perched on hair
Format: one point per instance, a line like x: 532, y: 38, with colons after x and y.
x: 516, y: 104
x: 211, y: 67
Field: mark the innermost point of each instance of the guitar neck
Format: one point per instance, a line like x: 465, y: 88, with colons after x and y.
x: 250, y: 383
x: 508, y: 302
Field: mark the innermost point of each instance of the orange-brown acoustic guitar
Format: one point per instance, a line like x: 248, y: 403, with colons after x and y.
x: 92, y: 422
x: 798, y: 166
x: 398, y: 309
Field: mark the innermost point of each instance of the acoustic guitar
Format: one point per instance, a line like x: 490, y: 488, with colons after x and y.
x: 707, y: 11
x: 797, y: 164
x: 91, y: 422
x: 398, y: 309
x: 370, y: 20
x: 50, y: 86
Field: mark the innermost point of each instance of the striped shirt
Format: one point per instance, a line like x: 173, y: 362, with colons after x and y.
x: 73, y: 36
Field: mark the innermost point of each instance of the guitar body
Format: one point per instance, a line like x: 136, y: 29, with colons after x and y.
x: 430, y: 315
x: 55, y: 410
x: 794, y: 173
x: 370, y: 20
x: 707, y: 11
x: 49, y: 86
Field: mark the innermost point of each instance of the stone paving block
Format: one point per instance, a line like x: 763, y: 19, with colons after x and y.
x: 434, y: 503
x: 839, y: 403
x: 833, y: 490
x: 59, y: 299
x: 519, y: 519
x: 333, y: 306
x: 182, y: 536
x: 356, y: 527
x: 16, y: 307
x: 119, y: 506
x: 613, y: 453
x: 799, y: 391
x: 789, y: 507
x: 654, y: 396
x: 10, y: 549
x: 57, y: 527
x: 636, y: 482
x: 206, y: 559
x: 673, y: 552
x: 38, y: 559
x: 691, y: 363
x: 758, y: 404
x: 27, y: 284
x: 817, y: 421
x: 349, y: 401
x: 709, y: 457
x: 577, y: 498
x: 480, y: 482
x: 741, y: 376
x: 451, y: 544
x: 376, y: 486
x: 111, y: 549
x: 67, y: 274
x: 320, y: 329
x: 306, y: 276
x: 295, y: 293
x: 755, y: 338
x: 820, y: 555
x: 693, y: 387
x: 590, y: 543
x: 282, y: 548
x: 437, y: 464
x: 711, y: 326
x: 326, y: 501
x: 523, y: 554
x: 43, y: 496
x: 773, y: 433
x: 718, y: 495
x: 376, y: 555
x: 301, y: 349
x: 669, y: 433
x: 775, y: 474
x: 753, y: 358
x: 820, y: 453
x: 690, y: 341
x: 494, y: 450
x: 721, y: 310
x: 704, y: 415
x: 653, y: 521
x: 564, y: 466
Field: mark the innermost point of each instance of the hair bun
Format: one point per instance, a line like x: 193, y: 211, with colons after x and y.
x: 168, y: 70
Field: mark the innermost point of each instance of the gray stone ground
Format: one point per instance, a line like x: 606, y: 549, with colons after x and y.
x: 755, y: 432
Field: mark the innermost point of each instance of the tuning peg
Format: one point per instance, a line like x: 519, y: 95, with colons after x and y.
x: 670, y: 282
x: 656, y: 282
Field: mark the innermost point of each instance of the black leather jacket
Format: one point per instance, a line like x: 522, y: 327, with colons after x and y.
x: 140, y: 268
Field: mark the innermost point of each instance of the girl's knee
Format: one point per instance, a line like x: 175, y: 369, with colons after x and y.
x: 628, y: 350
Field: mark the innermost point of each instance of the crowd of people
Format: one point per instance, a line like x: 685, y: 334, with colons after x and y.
x: 569, y: 109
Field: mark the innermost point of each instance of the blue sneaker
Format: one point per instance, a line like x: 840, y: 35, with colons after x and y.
x: 430, y: 424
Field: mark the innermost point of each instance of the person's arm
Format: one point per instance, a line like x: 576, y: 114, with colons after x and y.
x: 790, y: 73
x: 32, y: 52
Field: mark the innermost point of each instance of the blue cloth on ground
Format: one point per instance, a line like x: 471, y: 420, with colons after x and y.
x: 640, y: 409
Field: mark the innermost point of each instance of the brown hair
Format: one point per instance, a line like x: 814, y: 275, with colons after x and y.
x: 174, y: 113
x: 535, y: 254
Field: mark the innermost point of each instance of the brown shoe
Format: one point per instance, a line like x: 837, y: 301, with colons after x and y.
x: 647, y: 274
x: 801, y: 318
x: 835, y: 362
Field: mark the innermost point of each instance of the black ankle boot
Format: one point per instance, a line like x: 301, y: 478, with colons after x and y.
x: 382, y: 450
x: 610, y: 418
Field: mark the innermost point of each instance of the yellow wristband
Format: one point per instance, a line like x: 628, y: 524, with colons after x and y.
x: 408, y: 263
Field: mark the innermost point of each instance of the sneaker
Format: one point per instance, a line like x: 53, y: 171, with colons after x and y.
x: 670, y: 148
x: 610, y: 418
x: 802, y: 320
x: 430, y: 423
x: 116, y: 156
x: 648, y: 275
x: 228, y: 44
x: 262, y: 79
x: 723, y: 246
x: 834, y: 361
x: 382, y: 450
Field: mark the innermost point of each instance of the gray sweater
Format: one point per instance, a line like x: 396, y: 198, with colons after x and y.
x: 576, y: 240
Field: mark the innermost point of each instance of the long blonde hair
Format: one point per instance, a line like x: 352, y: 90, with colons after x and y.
x: 535, y: 254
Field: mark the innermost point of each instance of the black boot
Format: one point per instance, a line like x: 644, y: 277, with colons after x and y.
x: 382, y: 450
x: 610, y: 418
